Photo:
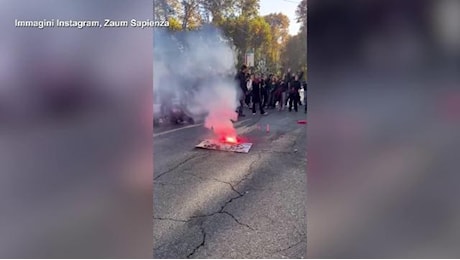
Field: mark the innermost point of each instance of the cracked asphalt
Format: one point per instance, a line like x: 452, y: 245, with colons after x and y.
x: 212, y: 204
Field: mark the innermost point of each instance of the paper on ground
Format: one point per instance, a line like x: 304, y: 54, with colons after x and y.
x: 215, y: 145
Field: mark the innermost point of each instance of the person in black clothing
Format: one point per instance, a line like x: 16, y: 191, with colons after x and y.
x: 288, y: 78
x: 301, y: 80
x: 284, y: 86
x: 276, y: 93
x: 269, y: 90
x: 257, y: 95
x: 242, y: 81
x: 265, y: 91
x: 294, y: 96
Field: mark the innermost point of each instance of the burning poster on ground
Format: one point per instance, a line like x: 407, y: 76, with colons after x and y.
x: 228, y: 145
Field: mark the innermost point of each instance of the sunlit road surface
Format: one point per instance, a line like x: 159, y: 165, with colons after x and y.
x: 212, y: 204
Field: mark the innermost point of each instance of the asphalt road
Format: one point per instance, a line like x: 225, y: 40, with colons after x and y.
x: 212, y: 204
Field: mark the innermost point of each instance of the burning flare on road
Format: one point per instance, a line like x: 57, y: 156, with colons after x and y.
x: 231, y: 139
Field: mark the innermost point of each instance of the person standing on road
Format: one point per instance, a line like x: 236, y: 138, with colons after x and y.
x: 247, y: 99
x: 287, y: 79
x: 269, y: 90
x: 294, y: 96
x: 242, y: 81
x: 274, y: 85
x: 275, y: 92
x: 284, y: 86
x: 278, y: 93
x: 257, y: 95
x: 300, y: 78
x: 265, y: 91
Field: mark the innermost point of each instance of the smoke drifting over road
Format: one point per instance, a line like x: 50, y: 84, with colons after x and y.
x: 198, y: 67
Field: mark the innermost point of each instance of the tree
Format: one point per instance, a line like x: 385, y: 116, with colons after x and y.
x: 238, y: 19
x: 191, y: 16
x: 219, y: 9
x: 162, y: 9
x: 260, y: 37
x: 248, y: 8
x: 301, y: 12
x: 294, y: 54
x: 259, y: 32
x: 279, y: 24
x: 248, y: 34
x: 185, y: 11
x: 237, y: 30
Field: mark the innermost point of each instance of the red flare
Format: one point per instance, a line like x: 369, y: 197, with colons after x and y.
x: 302, y: 122
x: 231, y: 139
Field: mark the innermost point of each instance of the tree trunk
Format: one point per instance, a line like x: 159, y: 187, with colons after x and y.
x: 186, y: 14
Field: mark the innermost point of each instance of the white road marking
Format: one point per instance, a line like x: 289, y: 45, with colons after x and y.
x: 192, y: 126
x: 175, y: 130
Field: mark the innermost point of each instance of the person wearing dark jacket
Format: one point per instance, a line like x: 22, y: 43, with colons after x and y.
x: 265, y: 91
x: 257, y: 95
x: 284, y: 86
x: 288, y: 75
x: 276, y: 91
x: 294, y: 96
x: 301, y: 73
x: 242, y: 81
x: 288, y: 78
x: 270, y: 84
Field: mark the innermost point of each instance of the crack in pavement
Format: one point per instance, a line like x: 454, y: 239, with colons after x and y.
x: 178, y: 165
x: 217, y: 180
x: 221, y: 210
x: 245, y: 177
x: 172, y: 219
x: 168, y: 184
x: 202, y: 219
x: 201, y: 244
x: 237, y: 221
x: 229, y: 184
x: 289, y: 247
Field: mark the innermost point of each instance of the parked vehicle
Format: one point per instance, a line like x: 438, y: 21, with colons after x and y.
x: 173, y: 112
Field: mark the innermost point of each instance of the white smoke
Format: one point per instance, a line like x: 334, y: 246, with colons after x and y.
x: 199, y: 68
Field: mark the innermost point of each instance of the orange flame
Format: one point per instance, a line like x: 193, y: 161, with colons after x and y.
x: 230, y: 139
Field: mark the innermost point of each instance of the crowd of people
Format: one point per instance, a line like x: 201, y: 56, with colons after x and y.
x: 270, y: 91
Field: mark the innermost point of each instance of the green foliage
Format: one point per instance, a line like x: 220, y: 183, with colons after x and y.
x: 219, y: 9
x: 267, y: 36
x: 301, y: 12
x: 248, y: 8
x: 294, y: 54
x: 279, y: 24
x: 174, y: 24
x: 259, y: 33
